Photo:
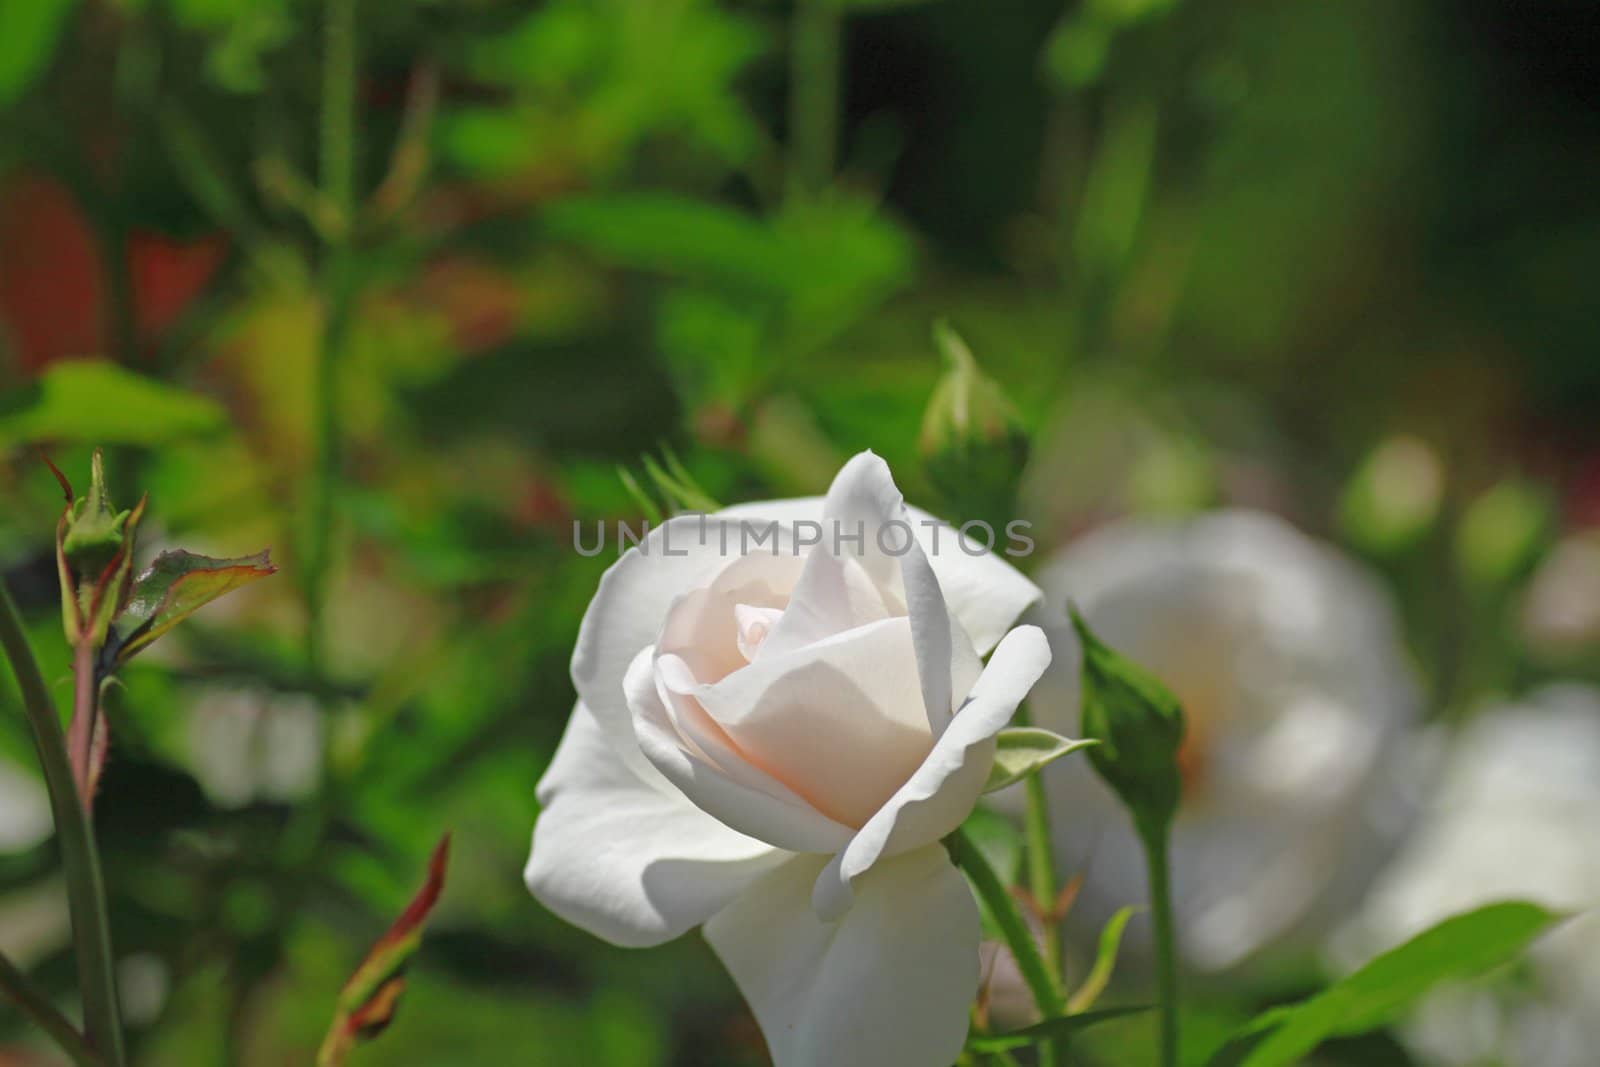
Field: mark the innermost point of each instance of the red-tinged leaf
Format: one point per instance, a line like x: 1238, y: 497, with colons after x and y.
x: 368, y: 1001
x: 177, y: 585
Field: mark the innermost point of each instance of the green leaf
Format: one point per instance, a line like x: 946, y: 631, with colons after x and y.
x: 1105, y: 961
x: 1051, y: 1029
x: 29, y: 30
x: 1459, y: 948
x: 1075, y: 54
x: 824, y: 261
x: 368, y: 1001
x: 1022, y: 750
x: 676, y: 236
x: 96, y: 401
x: 491, y: 142
x: 177, y: 585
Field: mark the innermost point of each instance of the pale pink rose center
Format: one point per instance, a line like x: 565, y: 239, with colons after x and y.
x: 834, y: 716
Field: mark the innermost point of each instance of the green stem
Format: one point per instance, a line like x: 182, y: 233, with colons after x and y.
x: 325, y: 471
x: 1154, y: 838
x: 1042, y: 887
x: 1042, y: 881
x: 86, y: 896
x: 36, y: 1006
x: 1001, y: 905
x: 122, y: 332
x: 303, y: 835
x: 338, y: 124
x: 1041, y: 865
x: 813, y: 95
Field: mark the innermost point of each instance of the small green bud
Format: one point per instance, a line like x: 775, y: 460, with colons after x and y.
x: 1139, y: 725
x: 94, y: 558
x: 973, y: 442
x: 94, y: 528
x: 1395, y: 496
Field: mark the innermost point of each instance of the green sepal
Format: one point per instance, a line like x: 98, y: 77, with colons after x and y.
x: 94, y: 527
x: 1023, y: 750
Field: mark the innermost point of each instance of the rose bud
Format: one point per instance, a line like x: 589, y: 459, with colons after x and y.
x: 94, y: 557
x: 1139, y: 725
x: 974, y: 445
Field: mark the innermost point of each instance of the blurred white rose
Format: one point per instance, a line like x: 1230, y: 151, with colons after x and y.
x: 1561, y: 608
x: 1288, y: 660
x: 25, y: 819
x: 33, y: 920
x: 248, y: 745
x: 1516, y: 816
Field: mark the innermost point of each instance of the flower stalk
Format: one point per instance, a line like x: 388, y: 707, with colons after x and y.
x: 813, y: 95
x: 1042, y: 887
x: 86, y: 898
x: 1140, y: 726
x: 1041, y: 868
x: 1036, y: 973
x: 1153, y: 835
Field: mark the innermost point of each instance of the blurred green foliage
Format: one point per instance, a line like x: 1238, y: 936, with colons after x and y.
x: 1214, y: 250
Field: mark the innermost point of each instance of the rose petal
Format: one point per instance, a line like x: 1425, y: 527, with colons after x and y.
x: 834, y: 594
x: 942, y: 792
x: 630, y: 863
x: 864, y: 500
x: 984, y: 593
x: 716, y: 778
x: 838, y: 721
x: 702, y: 625
x: 632, y: 605
x: 889, y: 985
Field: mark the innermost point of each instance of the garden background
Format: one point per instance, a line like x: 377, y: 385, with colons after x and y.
x: 393, y: 288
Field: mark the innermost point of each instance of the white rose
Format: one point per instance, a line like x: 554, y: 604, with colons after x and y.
x: 771, y: 739
x: 1288, y: 660
x: 1514, y: 817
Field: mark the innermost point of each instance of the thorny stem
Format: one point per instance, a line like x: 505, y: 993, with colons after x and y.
x: 84, y: 731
